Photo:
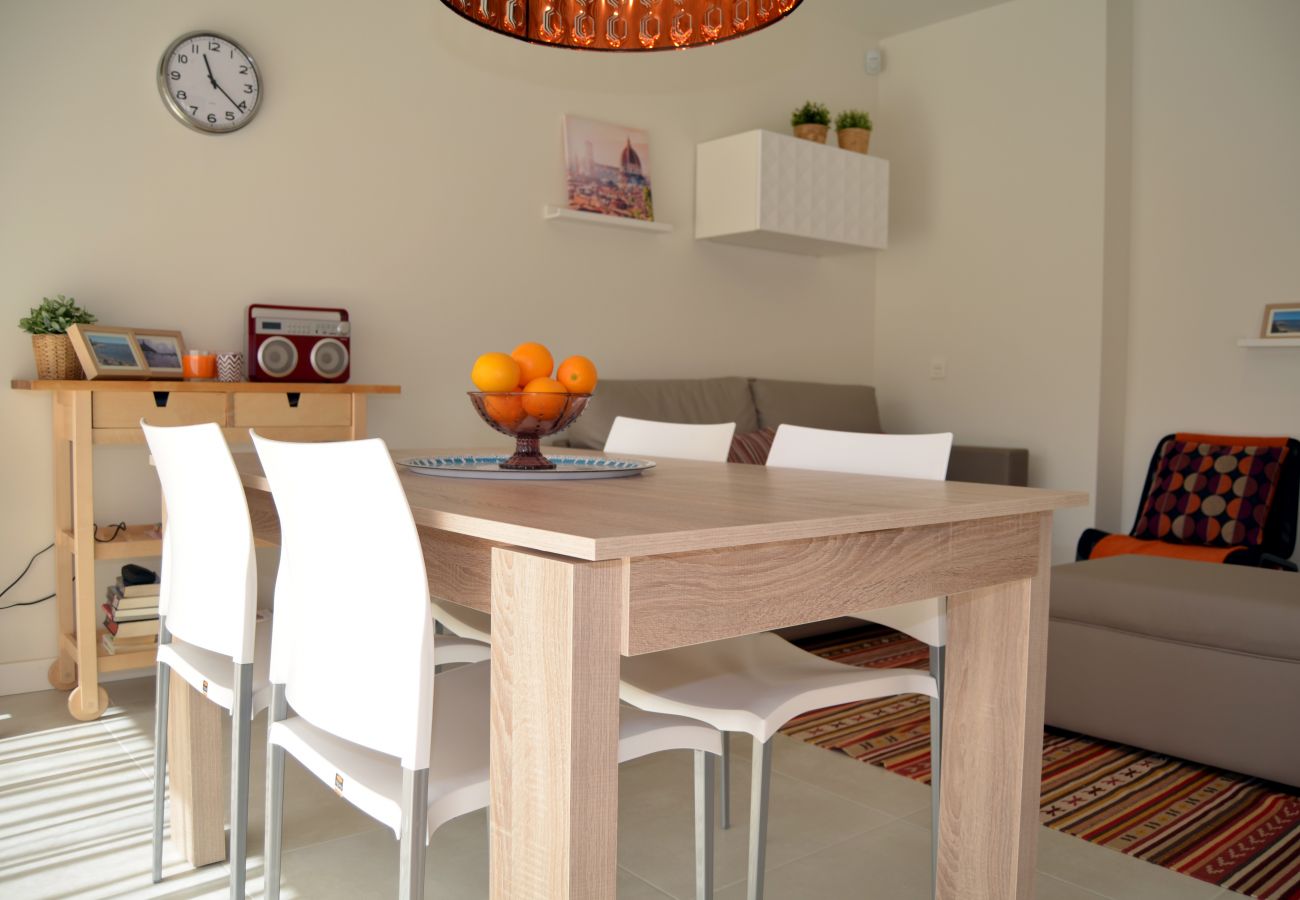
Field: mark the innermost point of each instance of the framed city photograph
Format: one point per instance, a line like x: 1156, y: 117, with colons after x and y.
x: 607, y: 169
x: 162, y: 351
x: 106, y: 352
x: 1281, y: 320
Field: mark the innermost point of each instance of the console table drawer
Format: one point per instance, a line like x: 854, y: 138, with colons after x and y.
x: 111, y: 409
x: 287, y: 409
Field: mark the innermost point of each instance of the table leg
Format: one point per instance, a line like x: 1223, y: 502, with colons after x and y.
x: 87, y: 700
x: 554, y: 754
x: 993, y: 737
x: 197, y: 803
x: 63, y: 674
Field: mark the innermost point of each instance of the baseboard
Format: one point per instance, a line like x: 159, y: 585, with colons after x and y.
x: 33, y: 675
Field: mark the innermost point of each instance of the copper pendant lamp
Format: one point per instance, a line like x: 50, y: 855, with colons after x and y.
x: 623, y: 25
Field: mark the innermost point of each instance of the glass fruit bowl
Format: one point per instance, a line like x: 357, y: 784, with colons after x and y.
x: 527, y: 417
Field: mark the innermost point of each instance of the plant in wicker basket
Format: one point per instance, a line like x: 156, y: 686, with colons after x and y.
x: 811, y: 121
x: 48, y: 325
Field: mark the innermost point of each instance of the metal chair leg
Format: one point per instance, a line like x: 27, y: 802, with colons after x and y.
x: 241, y: 719
x: 759, y: 791
x: 415, y: 832
x: 936, y: 760
x: 724, y: 785
x: 274, y: 799
x: 162, y: 697
x: 703, y: 825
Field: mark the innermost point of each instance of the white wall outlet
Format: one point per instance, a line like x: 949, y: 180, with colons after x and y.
x: 874, y: 62
x: 938, y: 367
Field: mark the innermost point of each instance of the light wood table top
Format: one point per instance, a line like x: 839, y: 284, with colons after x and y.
x: 681, y: 505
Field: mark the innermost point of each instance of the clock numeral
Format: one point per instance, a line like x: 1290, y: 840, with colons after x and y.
x: 248, y: 89
x: 214, y: 46
x: 243, y: 70
x: 181, y: 95
x: 194, y: 48
x: 182, y: 58
x: 194, y: 110
x: 212, y: 119
x: 230, y: 117
x: 243, y: 105
x: 175, y: 76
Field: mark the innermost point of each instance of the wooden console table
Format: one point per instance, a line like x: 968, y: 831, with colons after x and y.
x: 109, y: 412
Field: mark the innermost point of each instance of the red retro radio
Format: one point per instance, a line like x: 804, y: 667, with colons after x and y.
x: 298, y: 343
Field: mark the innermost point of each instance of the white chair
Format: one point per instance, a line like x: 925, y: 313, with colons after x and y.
x: 899, y: 456
x: 709, y: 443
x: 207, y: 607
x: 366, y: 718
x: 757, y: 683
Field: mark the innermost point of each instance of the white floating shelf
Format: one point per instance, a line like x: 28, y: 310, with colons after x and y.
x: 778, y: 192
x: 564, y: 214
x: 1268, y: 342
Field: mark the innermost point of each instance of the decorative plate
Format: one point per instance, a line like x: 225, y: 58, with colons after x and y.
x: 566, y: 467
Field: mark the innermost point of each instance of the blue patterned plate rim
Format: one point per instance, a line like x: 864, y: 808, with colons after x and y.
x: 488, y: 466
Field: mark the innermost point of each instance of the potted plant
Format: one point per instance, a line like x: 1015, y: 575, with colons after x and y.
x: 811, y: 121
x: 48, y: 325
x: 853, y: 130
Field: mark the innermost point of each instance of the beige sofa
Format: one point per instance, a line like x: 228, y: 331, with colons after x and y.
x: 1197, y: 660
x: 755, y: 403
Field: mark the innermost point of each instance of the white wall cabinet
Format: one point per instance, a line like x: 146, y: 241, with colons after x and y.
x: 777, y: 192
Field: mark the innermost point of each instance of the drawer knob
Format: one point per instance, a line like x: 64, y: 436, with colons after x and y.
x: 293, y: 399
x: 160, y: 398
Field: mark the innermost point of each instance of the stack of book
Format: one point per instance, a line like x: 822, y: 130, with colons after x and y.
x: 131, y: 617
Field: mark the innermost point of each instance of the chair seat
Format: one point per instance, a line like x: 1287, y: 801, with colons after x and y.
x: 449, y: 650
x: 755, y: 684
x: 458, y: 761
x: 463, y: 621
x: 926, y: 620
x: 212, y: 674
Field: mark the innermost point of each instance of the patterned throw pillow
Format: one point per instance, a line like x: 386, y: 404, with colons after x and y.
x: 752, y: 447
x: 1212, y: 494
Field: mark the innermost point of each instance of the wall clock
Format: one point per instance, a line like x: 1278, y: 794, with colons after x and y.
x: 209, y: 82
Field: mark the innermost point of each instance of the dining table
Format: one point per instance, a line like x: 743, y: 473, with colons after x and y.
x: 579, y: 573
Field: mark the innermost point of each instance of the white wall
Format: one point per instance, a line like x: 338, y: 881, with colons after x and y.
x: 1216, y: 221
x: 994, y: 124
x: 398, y: 167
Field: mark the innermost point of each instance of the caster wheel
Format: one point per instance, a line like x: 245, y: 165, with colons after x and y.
x: 75, y: 707
x: 57, y: 682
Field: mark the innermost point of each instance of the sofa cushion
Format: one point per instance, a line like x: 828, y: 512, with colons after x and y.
x: 752, y: 447
x: 1233, y: 608
x: 699, y: 401
x: 838, y: 407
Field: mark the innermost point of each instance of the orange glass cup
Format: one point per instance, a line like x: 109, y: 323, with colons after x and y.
x: 199, y: 366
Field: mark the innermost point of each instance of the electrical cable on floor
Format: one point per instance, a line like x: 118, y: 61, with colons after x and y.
x: 20, y: 577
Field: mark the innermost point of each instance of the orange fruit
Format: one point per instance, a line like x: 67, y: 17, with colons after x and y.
x: 577, y: 374
x: 534, y: 360
x: 504, y: 409
x: 538, y: 400
x: 495, y: 372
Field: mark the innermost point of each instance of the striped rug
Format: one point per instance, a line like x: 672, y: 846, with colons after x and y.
x: 1231, y: 830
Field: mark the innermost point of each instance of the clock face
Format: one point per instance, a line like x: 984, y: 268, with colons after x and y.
x: 209, y: 82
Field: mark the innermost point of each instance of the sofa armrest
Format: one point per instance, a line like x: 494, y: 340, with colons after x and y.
x: 989, y: 465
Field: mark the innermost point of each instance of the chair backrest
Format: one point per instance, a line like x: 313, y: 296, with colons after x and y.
x: 352, y: 636
x: 209, y: 571
x: 709, y: 443
x: 895, y: 455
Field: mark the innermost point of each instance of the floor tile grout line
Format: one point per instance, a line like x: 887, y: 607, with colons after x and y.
x: 861, y: 803
x: 148, y: 772
x: 654, y: 887
x: 1074, y: 884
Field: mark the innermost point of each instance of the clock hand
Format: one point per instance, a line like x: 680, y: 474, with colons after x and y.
x: 210, y: 78
x: 219, y: 87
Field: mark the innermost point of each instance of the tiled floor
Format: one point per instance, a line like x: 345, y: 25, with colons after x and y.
x: 75, y: 812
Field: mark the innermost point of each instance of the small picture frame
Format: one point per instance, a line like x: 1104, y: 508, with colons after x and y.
x: 1281, y: 320
x: 106, y: 352
x: 162, y: 351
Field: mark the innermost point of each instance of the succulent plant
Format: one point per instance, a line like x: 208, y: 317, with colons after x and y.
x: 852, y: 118
x: 55, y: 316
x: 811, y: 113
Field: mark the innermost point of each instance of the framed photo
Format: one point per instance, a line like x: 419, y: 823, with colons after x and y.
x: 106, y: 352
x: 162, y: 351
x: 607, y: 169
x: 1281, y: 320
